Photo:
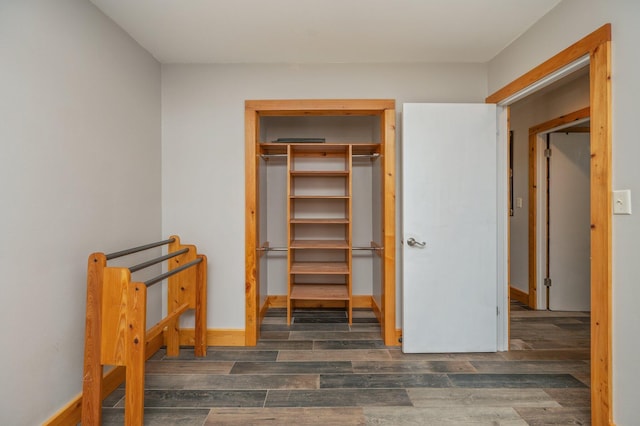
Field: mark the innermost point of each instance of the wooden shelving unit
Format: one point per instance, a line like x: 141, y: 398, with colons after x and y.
x: 358, y: 131
x: 319, y: 196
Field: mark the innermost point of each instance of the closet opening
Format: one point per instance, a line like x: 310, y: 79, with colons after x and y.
x: 320, y: 218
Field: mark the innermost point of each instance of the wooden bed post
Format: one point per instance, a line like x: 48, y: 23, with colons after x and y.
x: 92, y: 377
x: 200, y: 344
x: 135, y: 353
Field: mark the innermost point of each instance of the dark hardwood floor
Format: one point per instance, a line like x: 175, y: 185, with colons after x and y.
x: 321, y: 371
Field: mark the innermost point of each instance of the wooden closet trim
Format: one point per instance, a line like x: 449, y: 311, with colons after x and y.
x: 598, y: 46
x: 585, y: 46
x: 255, y: 303
x: 320, y: 106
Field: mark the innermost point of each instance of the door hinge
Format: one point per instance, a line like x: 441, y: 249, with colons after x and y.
x: 497, y: 311
x: 547, y: 152
x: 547, y: 282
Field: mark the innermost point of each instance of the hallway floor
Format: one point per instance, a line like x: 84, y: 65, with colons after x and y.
x: 321, y: 371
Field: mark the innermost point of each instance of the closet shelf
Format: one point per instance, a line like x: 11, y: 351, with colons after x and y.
x: 319, y: 197
x: 319, y: 244
x: 319, y: 221
x: 322, y: 268
x: 319, y: 173
x: 358, y: 148
x: 319, y: 292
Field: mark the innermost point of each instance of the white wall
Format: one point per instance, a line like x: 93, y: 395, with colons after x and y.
x: 567, y: 23
x: 79, y: 172
x: 203, y: 145
x: 531, y: 111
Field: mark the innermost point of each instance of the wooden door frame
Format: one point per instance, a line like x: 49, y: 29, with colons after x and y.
x: 598, y: 46
x: 256, y: 304
x: 534, y: 133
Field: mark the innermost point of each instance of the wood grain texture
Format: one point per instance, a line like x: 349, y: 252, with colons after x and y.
x: 320, y: 106
x: 533, y: 221
x: 171, y: 317
x: 389, y: 228
x: 297, y: 416
x: 314, y: 268
x: 319, y: 292
x: 519, y: 295
x: 577, y: 50
x: 358, y: 301
x: 319, y: 244
x: 115, y: 303
x: 135, y: 353
x: 200, y: 343
x: 116, y: 331
x: 214, y: 337
x: 74, y: 411
x: 319, y: 267
x: 93, y: 370
x: 561, y: 120
x: 252, y: 289
x: 349, y: 234
x: 601, y: 254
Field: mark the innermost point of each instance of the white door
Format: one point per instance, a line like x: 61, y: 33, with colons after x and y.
x: 449, y: 180
x: 569, y: 222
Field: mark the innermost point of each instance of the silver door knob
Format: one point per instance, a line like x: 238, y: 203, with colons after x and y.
x: 413, y: 243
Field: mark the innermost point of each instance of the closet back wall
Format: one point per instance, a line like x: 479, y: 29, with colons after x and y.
x: 203, y: 146
x: 274, y: 208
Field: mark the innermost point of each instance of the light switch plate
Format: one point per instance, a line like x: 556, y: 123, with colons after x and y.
x: 622, y: 201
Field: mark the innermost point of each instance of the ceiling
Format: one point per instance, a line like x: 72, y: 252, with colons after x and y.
x: 324, y: 31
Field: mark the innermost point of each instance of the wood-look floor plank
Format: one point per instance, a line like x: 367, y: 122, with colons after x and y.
x: 555, y: 416
x: 187, y: 367
x: 233, y: 382
x: 364, y: 382
x: 384, y: 381
x: 159, y: 416
x: 464, y: 397
x: 413, y: 367
x: 335, y: 355
x: 398, y: 355
x: 482, y: 380
x: 194, y: 398
x: 233, y: 355
x: 578, y: 397
x: 333, y: 335
x: 547, y: 355
x: 303, y: 345
x: 348, y: 344
x: 338, y: 398
x: 285, y: 416
x: 296, y: 367
x: 443, y: 416
x: 519, y: 367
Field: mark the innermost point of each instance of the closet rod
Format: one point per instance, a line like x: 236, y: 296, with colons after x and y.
x: 375, y: 155
x: 286, y: 249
